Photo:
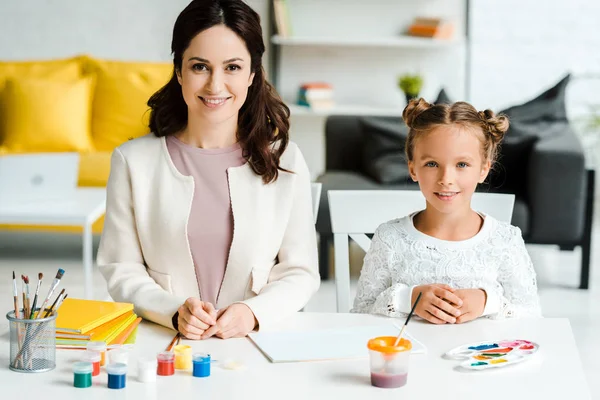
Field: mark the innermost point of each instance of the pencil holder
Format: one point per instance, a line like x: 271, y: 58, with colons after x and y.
x: 32, y: 343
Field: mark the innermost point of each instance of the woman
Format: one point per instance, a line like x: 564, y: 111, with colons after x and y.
x: 212, y: 210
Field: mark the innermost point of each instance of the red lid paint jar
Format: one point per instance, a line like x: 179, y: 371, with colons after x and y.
x: 166, y: 363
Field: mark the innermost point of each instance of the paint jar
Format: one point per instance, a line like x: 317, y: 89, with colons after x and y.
x: 389, y: 363
x: 117, y: 374
x: 118, y: 356
x: 201, y: 365
x: 94, y: 358
x: 183, y: 357
x: 166, y: 363
x: 99, y: 347
x: 82, y: 374
x: 147, y: 369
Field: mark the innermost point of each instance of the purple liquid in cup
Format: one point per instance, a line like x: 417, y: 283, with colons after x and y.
x: 383, y: 380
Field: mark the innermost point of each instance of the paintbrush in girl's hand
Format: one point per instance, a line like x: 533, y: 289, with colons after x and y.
x: 408, y: 319
x: 55, y: 283
x: 15, y: 295
x: 170, y: 346
x: 37, y: 291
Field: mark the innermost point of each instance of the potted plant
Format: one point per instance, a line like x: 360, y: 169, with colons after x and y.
x: 411, y: 85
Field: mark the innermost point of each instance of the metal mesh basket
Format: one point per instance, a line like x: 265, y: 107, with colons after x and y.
x: 32, y: 343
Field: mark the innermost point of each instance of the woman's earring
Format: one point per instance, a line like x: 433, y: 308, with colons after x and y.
x: 276, y: 128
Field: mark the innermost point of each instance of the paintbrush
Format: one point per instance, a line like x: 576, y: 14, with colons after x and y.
x: 27, y: 297
x: 16, y: 295
x: 408, y: 319
x: 55, y: 283
x: 49, y: 311
x: 37, y: 291
x: 170, y: 346
x: 24, y: 296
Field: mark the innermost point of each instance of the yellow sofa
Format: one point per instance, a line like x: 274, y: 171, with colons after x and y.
x: 80, y: 104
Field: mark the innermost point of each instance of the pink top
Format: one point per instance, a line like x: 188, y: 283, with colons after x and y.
x: 210, y: 225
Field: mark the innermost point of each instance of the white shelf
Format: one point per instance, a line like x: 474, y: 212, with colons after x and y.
x: 351, y: 109
x: 398, y: 41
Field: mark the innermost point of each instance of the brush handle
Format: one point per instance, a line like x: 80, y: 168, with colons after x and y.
x: 33, y: 306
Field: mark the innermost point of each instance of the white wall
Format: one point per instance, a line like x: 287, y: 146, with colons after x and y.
x: 138, y: 30
x: 522, y: 47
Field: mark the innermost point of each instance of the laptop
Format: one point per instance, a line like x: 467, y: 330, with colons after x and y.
x: 36, y: 178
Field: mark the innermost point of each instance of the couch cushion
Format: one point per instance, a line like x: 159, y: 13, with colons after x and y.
x: 120, y: 110
x: 548, y: 106
x: 59, y: 70
x: 47, y: 115
x: 94, y: 168
x: 383, y: 150
x: 508, y: 173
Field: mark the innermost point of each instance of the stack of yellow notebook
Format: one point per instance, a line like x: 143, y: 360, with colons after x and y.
x: 80, y: 321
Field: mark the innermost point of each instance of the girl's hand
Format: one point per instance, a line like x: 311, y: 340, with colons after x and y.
x: 195, y: 317
x: 438, y: 305
x: 237, y: 320
x: 473, y: 304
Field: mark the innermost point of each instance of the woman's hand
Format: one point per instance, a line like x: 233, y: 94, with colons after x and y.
x: 237, y: 320
x: 473, y: 304
x: 195, y: 317
x: 439, y: 304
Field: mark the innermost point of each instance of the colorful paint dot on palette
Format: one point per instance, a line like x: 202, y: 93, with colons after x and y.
x: 496, y: 354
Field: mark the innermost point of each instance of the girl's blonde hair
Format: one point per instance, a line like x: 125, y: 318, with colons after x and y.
x: 422, y: 117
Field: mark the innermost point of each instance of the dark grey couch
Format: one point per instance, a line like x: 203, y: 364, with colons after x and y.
x: 555, y: 207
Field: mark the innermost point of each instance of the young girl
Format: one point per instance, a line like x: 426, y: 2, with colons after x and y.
x: 466, y: 264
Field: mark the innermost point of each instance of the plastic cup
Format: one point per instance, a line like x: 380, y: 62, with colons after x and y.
x: 82, y: 374
x: 165, y: 363
x: 118, y: 355
x: 93, y: 357
x: 117, y: 375
x: 147, y: 369
x: 183, y: 357
x: 201, y: 365
x: 389, y: 363
x: 99, y: 347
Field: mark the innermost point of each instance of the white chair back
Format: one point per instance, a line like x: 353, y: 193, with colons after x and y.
x: 316, y: 198
x: 356, y: 213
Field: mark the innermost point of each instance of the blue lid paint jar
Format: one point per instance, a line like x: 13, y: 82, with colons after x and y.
x: 117, y: 374
x: 201, y: 363
x: 82, y: 374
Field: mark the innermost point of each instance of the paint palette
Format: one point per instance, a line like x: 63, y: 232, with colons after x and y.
x: 486, y: 355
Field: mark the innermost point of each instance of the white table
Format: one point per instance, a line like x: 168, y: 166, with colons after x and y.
x: 555, y: 373
x: 83, y: 209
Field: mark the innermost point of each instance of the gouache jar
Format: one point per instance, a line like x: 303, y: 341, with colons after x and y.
x: 166, y: 363
x: 183, y: 357
x: 118, y: 356
x: 94, y: 358
x: 201, y: 365
x: 147, y: 369
x: 389, y: 362
x: 117, y: 375
x: 99, y: 347
x: 82, y: 374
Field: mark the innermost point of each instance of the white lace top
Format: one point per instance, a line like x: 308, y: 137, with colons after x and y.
x: 401, y: 257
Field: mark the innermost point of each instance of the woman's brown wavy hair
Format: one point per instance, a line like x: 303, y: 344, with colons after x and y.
x: 422, y: 117
x: 263, y: 120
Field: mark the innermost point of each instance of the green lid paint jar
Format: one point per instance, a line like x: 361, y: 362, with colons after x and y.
x: 82, y: 374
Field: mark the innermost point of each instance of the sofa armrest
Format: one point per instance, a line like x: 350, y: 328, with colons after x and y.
x: 556, y: 184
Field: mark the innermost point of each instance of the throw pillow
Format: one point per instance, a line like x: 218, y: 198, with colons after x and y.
x: 508, y: 174
x: 47, y: 115
x: 548, y: 106
x: 120, y: 110
x: 383, y: 151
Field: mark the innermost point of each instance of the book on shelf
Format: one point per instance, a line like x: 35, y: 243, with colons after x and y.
x: 316, y: 95
x: 431, y: 28
x: 281, y: 12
